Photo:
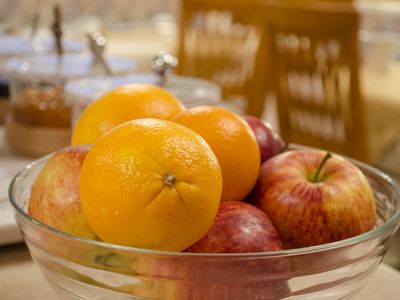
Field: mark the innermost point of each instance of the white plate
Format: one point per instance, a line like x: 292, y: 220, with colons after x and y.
x: 10, y: 164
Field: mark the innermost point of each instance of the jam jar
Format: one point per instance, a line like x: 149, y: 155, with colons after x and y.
x: 39, y: 118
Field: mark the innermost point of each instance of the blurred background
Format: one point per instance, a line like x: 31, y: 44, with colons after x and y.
x: 323, y: 73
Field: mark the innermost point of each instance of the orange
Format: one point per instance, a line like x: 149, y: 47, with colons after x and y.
x: 124, y: 103
x: 234, y: 144
x: 152, y: 184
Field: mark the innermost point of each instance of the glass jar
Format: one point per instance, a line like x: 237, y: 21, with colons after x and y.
x: 17, y: 46
x: 191, y: 91
x: 39, y: 119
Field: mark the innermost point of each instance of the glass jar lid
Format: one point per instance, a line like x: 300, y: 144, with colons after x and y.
x: 17, y: 46
x: 191, y: 91
x: 11, y: 45
x: 68, y: 66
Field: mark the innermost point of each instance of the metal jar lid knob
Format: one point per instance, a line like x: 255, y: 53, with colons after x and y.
x: 162, y: 64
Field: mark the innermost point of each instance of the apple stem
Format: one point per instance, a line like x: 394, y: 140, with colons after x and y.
x: 323, y: 161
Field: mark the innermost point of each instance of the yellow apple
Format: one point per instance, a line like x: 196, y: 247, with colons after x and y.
x: 54, y: 198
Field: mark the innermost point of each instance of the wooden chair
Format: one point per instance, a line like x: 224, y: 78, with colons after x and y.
x: 315, y: 58
x: 223, y: 41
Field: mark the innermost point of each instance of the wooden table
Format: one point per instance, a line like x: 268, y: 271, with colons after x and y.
x: 20, y: 279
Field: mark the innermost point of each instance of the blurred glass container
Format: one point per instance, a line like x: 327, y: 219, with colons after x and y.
x: 380, y: 49
x: 379, y: 32
x: 39, y: 119
x: 17, y: 46
x: 191, y: 91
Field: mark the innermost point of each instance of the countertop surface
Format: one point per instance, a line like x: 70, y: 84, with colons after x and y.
x: 20, y: 279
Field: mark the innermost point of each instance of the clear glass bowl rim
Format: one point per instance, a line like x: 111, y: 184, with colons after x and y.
x: 391, y: 223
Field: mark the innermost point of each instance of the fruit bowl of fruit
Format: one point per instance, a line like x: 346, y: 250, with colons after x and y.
x: 200, y: 203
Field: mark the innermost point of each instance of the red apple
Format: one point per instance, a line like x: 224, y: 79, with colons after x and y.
x: 54, y: 199
x: 238, y: 227
x: 313, y: 199
x: 269, y: 141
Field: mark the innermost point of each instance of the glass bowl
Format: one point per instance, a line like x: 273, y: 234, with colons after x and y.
x: 79, y: 268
